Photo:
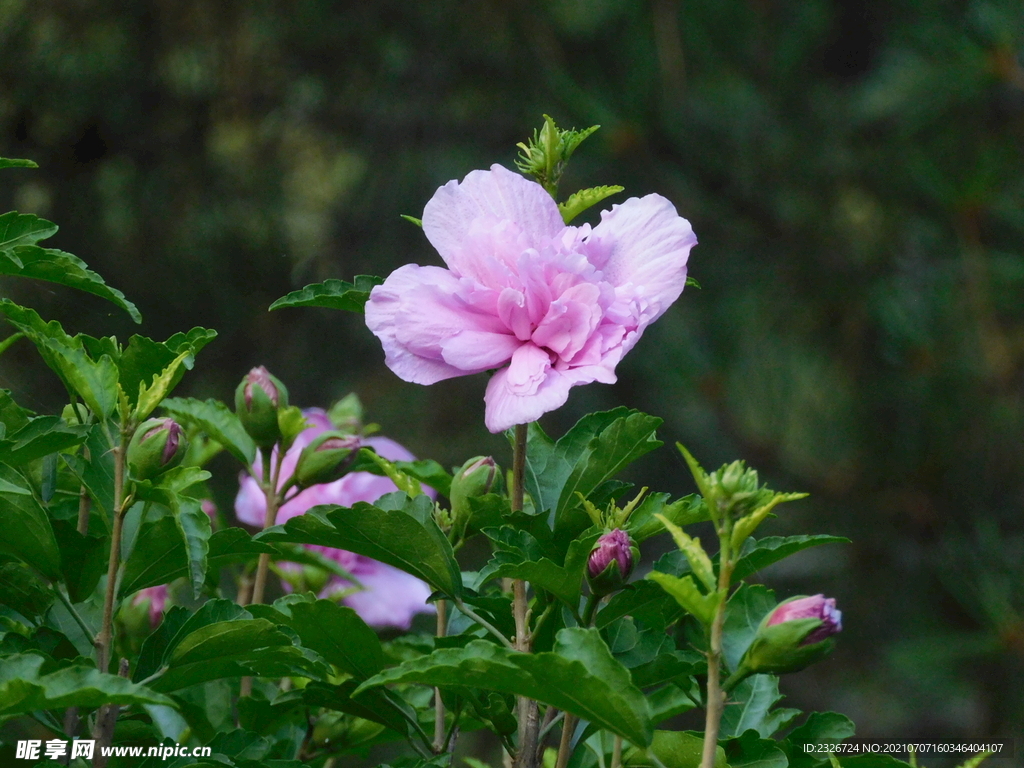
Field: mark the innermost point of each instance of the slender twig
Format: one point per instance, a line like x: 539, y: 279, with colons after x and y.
x: 540, y: 621
x: 71, y: 609
x: 551, y: 718
x: 104, y: 639
x: 617, y: 752
x: 106, y: 719
x: 715, y: 693
x: 273, y: 497
x: 588, y: 610
x: 442, y: 630
x: 565, y: 744
x: 529, y: 724
x: 485, y: 624
x: 154, y: 676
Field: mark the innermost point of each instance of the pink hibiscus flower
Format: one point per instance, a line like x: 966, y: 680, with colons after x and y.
x: 389, y: 597
x: 550, y: 305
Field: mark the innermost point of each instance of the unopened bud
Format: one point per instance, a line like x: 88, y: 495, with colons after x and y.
x: 797, y: 633
x: 257, y: 400
x: 326, y: 459
x: 611, y: 562
x: 156, y: 446
x: 477, y: 477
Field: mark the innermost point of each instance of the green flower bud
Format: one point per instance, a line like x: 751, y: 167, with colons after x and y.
x: 326, y: 459
x: 794, y: 635
x: 477, y: 477
x: 156, y: 446
x: 257, y: 400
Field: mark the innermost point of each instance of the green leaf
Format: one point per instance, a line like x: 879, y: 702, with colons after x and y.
x: 221, y: 640
x: 7, y: 162
x: 643, y: 523
x: 83, y: 559
x: 645, y: 601
x: 332, y: 294
x: 41, y: 436
x: 12, y: 415
x: 597, y: 448
x: 686, y: 593
x: 25, y: 687
x: 21, y: 590
x: 700, y: 563
x: 27, y: 535
x: 143, y: 359
x: 412, y: 220
x: 750, y: 708
x: 579, y: 676
x: 95, y: 381
x: 379, y: 705
x: 674, y: 749
x: 192, y: 523
x: 150, y: 395
x: 819, y: 728
x: 510, y: 561
x: 771, y: 549
x: 96, y: 474
x: 750, y: 751
x: 399, y: 531
x: 158, y: 556
x: 64, y: 269
x: 335, y: 632
x: 216, y: 420
x: 578, y: 202
x: 23, y: 229
x: 743, y: 613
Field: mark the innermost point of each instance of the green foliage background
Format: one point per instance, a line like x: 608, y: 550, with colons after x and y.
x: 853, y: 172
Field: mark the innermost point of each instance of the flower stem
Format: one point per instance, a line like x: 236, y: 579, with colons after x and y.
x: 565, y: 745
x: 529, y: 722
x: 617, y: 752
x: 104, y: 639
x: 273, y: 500
x: 715, y: 693
x: 442, y: 629
x: 270, y: 492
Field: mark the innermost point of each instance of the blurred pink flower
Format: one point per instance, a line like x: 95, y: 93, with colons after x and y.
x: 157, y: 598
x: 550, y: 305
x: 390, y: 597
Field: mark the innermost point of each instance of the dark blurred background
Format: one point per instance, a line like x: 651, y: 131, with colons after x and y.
x: 853, y: 171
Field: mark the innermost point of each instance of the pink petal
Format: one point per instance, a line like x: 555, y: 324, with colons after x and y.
x: 250, y: 504
x: 506, y: 407
x: 413, y: 313
x: 479, y: 351
x: 645, y: 243
x: 391, y: 597
x: 498, y: 195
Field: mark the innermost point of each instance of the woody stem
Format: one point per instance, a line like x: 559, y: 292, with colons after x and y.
x: 529, y: 721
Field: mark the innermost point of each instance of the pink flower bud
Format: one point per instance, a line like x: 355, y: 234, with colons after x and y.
x: 813, y: 607
x: 260, y: 377
x: 258, y: 398
x: 611, y: 562
x: 157, y: 445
